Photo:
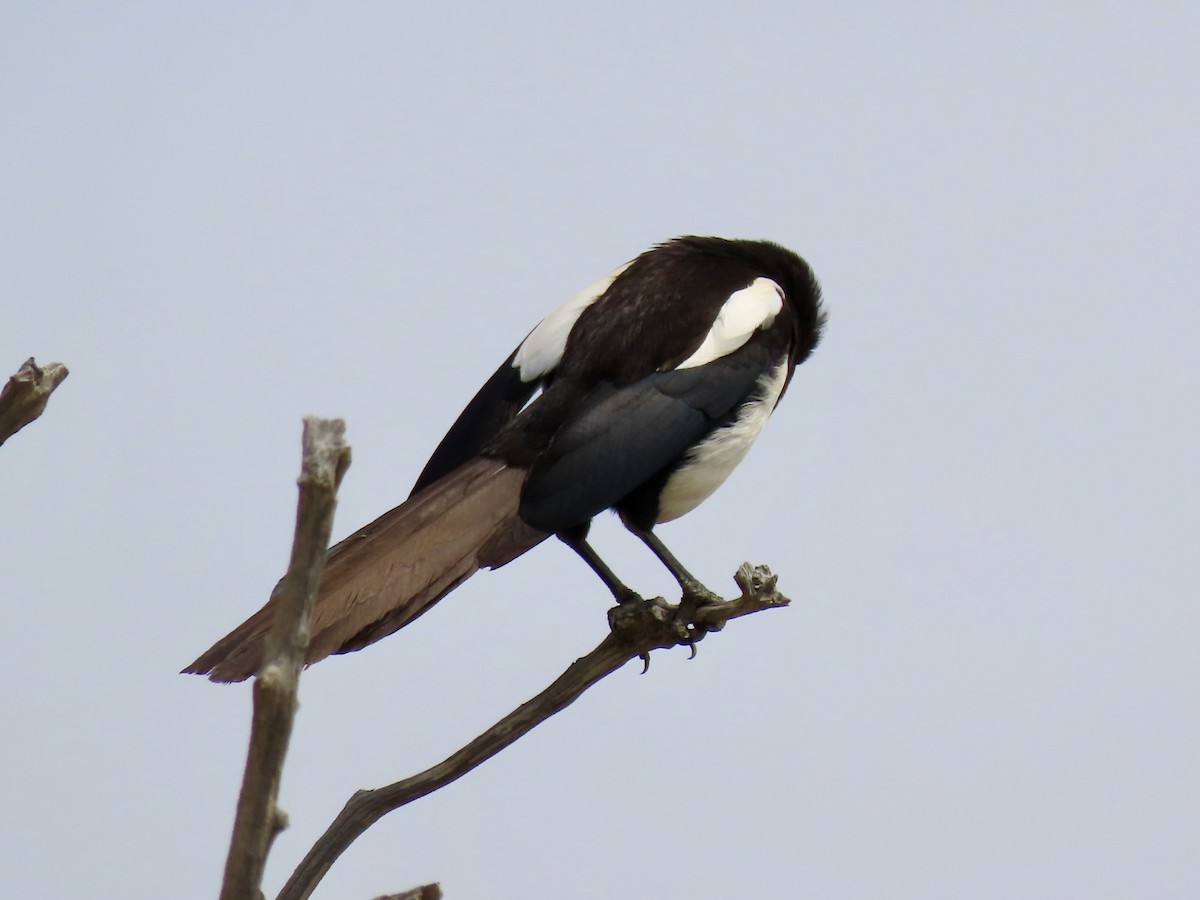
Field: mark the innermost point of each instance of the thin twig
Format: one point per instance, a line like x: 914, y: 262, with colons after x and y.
x: 259, y: 819
x: 26, y: 394
x: 637, y: 628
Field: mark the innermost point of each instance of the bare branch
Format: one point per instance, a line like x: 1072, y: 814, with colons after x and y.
x: 26, y: 394
x: 424, y: 892
x: 259, y: 819
x: 637, y: 628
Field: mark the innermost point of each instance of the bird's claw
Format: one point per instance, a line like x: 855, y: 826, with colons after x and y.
x: 695, y: 597
x: 628, y: 618
x: 695, y: 634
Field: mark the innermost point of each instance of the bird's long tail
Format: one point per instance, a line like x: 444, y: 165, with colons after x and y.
x: 386, y: 574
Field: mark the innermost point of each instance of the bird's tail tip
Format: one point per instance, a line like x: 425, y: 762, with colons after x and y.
x: 391, y: 571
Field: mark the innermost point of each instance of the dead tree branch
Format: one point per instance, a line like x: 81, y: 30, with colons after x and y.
x: 26, y: 394
x: 259, y: 819
x: 424, y: 892
x: 637, y: 628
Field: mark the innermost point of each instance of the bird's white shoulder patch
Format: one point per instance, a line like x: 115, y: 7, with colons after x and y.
x: 542, y: 350
x: 710, y: 462
x: 745, y: 312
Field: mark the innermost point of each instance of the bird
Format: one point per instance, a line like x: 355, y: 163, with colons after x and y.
x: 640, y: 395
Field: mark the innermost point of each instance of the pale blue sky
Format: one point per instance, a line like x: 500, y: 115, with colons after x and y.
x: 981, y: 491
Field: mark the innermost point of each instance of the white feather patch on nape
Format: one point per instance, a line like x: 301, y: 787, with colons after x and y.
x: 745, y: 312
x: 542, y: 350
x: 710, y: 462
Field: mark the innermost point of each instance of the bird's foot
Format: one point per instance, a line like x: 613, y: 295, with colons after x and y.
x: 696, y: 595
x: 626, y: 595
x: 633, y: 618
x: 646, y: 625
x: 695, y: 598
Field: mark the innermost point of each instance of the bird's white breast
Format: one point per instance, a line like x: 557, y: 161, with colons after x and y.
x: 710, y: 462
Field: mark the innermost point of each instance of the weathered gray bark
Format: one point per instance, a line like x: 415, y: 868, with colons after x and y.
x: 25, y: 395
x: 259, y: 819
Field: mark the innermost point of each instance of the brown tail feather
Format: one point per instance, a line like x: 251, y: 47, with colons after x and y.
x: 386, y: 574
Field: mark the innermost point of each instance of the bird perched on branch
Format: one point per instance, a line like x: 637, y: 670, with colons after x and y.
x: 640, y: 394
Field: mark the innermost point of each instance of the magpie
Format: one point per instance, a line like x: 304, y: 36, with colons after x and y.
x: 640, y: 394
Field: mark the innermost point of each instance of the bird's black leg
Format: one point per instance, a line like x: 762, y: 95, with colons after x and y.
x: 693, y: 591
x: 695, y: 594
x: 576, y: 539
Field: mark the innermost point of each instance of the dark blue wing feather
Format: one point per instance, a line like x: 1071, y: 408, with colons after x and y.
x: 621, y: 438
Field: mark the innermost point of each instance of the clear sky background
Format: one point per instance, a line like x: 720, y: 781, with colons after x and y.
x: 981, y: 491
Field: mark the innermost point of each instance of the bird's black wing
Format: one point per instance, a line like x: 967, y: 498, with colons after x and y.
x: 622, y: 437
x: 496, y: 404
